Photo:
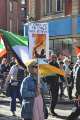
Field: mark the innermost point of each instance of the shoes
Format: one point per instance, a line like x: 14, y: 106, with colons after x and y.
x: 13, y: 114
x: 54, y: 114
x: 61, y: 98
x: 71, y: 98
x: 64, y: 95
x: 69, y: 119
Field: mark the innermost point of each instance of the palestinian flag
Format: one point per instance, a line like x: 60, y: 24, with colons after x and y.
x: 18, y: 45
x: 3, y: 50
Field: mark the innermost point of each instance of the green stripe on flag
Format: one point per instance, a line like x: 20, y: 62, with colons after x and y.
x: 1, y: 46
x: 13, y: 39
x: 17, y: 44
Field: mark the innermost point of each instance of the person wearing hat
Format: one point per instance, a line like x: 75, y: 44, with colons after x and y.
x: 53, y: 81
x: 32, y: 102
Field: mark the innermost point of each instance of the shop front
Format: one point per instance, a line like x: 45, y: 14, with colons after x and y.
x: 61, y: 37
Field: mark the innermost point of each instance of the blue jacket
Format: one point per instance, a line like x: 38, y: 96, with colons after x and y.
x: 27, y: 91
x: 28, y: 87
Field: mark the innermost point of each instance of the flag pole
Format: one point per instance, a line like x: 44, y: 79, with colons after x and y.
x: 38, y: 72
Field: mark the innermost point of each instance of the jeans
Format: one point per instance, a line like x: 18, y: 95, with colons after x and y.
x: 15, y: 93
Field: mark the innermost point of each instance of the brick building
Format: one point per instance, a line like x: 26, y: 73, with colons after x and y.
x: 13, y: 15
x: 63, y: 20
x: 3, y: 12
x: 49, y: 9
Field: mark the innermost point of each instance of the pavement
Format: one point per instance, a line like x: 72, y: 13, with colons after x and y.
x: 5, y: 113
x: 63, y: 108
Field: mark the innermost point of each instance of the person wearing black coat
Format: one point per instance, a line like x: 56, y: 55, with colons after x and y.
x: 53, y: 81
x: 74, y: 115
x: 70, y: 82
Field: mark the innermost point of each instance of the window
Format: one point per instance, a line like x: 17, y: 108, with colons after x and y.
x: 59, y: 5
x: 23, y: 1
x: 51, y: 7
x: 43, y: 7
x: 11, y: 6
x: 47, y: 7
x: 10, y: 25
x: 21, y: 27
x: 23, y: 12
x: 62, y: 46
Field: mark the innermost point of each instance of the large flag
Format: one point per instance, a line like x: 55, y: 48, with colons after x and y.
x: 17, y: 44
x: 3, y: 50
x: 46, y: 69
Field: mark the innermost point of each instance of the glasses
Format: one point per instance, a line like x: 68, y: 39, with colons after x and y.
x: 35, y: 66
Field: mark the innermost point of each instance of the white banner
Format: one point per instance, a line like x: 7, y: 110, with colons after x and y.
x: 38, y: 40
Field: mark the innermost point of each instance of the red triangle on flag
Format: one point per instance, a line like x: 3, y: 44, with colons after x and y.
x: 3, y: 50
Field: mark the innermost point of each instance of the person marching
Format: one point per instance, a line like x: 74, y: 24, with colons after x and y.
x: 74, y: 115
x: 14, y: 80
x: 32, y: 101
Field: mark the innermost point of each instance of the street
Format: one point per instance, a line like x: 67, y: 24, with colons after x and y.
x: 39, y: 42
x: 63, y: 109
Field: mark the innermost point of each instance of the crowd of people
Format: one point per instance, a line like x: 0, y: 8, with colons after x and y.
x: 24, y: 84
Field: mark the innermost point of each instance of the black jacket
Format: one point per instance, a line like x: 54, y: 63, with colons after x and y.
x: 78, y: 82
x: 54, y: 77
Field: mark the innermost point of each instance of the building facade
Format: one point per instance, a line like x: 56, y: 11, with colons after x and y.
x: 23, y: 13
x: 63, y: 21
x: 3, y: 14
x: 13, y: 15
